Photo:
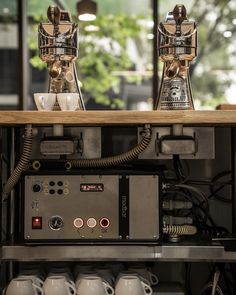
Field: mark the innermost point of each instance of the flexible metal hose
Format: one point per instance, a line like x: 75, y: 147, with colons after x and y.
x: 180, y: 230
x: 114, y: 160
x: 23, y: 163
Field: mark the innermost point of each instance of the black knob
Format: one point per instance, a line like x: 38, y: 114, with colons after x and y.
x: 55, y: 222
x: 36, y: 188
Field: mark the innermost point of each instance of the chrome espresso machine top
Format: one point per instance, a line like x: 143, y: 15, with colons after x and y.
x: 58, y: 47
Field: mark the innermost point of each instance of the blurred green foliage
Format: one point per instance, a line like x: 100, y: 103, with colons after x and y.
x: 101, y: 52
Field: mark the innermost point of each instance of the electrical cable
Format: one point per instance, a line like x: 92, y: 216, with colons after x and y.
x: 114, y: 160
x: 215, y: 282
x: 214, y: 192
x: 178, y: 168
x: 188, y: 266
x: 23, y: 163
x: 194, y: 190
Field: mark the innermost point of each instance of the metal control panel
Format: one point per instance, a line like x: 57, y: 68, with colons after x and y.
x: 91, y: 207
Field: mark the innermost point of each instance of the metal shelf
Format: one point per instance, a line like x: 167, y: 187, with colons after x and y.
x: 214, y: 252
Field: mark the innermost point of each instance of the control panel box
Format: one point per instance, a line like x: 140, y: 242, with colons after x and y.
x: 115, y: 208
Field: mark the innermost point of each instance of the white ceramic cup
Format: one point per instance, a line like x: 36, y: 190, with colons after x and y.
x: 131, y: 273
x: 32, y: 272
x: 106, y: 274
x: 58, y: 285
x: 146, y: 274
x: 34, y: 278
x: 132, y: 285
x: 82, y: 275
x: 45, y: 101
x: 115, y: 267
x: 65, y: 271
x: 94, y: 285
x: 65, y: 275
x: 82, y: 267
x: 68, y: 101
x: 21, y: 286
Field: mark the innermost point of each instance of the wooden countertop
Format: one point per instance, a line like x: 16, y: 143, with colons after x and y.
x: 96, y: 118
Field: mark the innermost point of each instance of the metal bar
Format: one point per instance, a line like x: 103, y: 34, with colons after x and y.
x: 233, y: 168
x: 12, y: 194
x: 23, y: 54
x: 214, y: 252
x: 155, y: 83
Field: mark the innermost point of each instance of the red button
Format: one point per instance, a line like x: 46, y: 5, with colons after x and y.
x: 37, y: 222
x: 104, y: 222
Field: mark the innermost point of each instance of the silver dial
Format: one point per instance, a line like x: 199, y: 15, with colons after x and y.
x: 55, y: 222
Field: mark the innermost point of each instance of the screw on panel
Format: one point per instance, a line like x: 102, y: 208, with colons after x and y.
x: 36, y: 165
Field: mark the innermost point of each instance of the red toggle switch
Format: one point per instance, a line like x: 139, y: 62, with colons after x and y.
x: 37, y: 222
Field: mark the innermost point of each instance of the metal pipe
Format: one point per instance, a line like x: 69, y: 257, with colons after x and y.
x: 155, y: 80
x: 233, y: 168
x: 58, y: 130
x: 23, y: 55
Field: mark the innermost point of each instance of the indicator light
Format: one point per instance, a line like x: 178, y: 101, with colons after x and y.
x: 91, y: 222
x: 104, y: 222
x: 78, y: 222
x: 37, y: 222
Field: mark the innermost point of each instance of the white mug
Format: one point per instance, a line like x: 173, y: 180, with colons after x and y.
x: 32, y: 272
x: 82, y: 275
x: 68, y: 101
x: 61, y: 271
x: 146, y: 274
x: 58, y: 285
x: 106, y: 274
x: 45, y: 101
x: 132, y: 285
x: 82, y: 267
x: 21, y: 286
x: 34, y: 278
x: 131, y: 273
x: 66, y: 276
x: 94, y: 285
x: 115, y: 267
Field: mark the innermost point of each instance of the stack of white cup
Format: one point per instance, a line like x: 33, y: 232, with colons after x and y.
x: 88, y: 279
x: 66, y: 101
x: 132, y: 285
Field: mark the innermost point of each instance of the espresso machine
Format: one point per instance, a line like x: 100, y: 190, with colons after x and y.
x: 58, y: 47
x: 177, y: 48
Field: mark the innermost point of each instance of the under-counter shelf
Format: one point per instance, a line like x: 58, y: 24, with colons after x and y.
x: 98, y: 118
x: 191, y: 252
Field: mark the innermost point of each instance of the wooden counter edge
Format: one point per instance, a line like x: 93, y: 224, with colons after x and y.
x: 94, y: 118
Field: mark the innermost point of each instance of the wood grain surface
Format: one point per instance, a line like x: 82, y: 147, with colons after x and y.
x: 95, y: 118
x: 226, y: 107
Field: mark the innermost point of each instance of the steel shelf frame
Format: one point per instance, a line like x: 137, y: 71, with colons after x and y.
x: 214, y: 253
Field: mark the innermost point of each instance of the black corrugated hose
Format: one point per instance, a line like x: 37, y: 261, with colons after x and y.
x: 114, y: 160
x: 23, y: 163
